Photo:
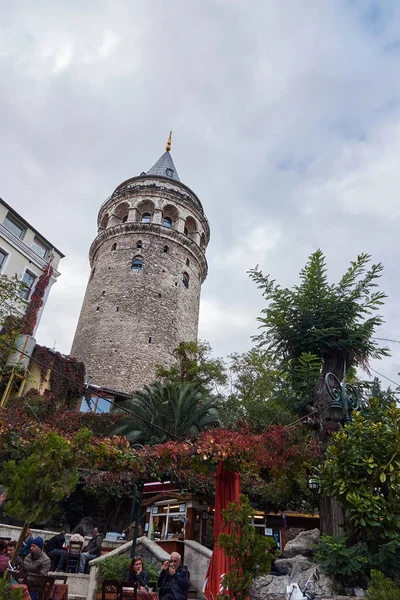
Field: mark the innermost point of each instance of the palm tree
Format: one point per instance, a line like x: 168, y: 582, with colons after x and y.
x: 179, y: 409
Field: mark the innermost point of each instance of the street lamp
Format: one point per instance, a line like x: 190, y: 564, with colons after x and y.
x: 344, y: 398
x: 313, y: 484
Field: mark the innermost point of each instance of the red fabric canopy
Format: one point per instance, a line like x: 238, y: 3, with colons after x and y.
x: 227, y: 490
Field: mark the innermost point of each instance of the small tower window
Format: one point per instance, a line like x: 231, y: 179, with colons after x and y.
x: 137, y: 264
x: 146, y: 218
x: 186, y: 231
x: 149, y: 340
x: 139, y: 244
x: 185, y: 279
x: 187, y: 262
x: 167, y: 222
x: 114, y: 247
x: 166, y: 249
x: 169, y: 172
x: 124, y: 219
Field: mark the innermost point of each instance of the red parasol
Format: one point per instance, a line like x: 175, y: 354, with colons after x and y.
x: 227, y: 490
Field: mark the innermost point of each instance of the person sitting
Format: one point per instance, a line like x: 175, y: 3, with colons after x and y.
x: 36, y: 563
x: 4, y: 560
x: 17, y: 562
x: 173, y: 581
x: 26, y: 544
x: 136, y: 573
x: 55, y: 549
x: 92, y: 549
x: 78, y: 536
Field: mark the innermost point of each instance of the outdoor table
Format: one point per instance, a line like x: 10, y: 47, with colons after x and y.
x: 128, y: 594
x: 59, y: 591
x: 25, y: 592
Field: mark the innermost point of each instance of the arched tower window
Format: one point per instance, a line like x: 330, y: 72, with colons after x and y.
x: 137, y: 263
x: 187, y: 262
x: 190, y: 226
x: 139, y: 244
x: 114, y: 247
x: 146, y: 218
x: 122, y: 212
x: 170, y: 215
x: 167, y: 222
x: 104, y: 222
x: 185, y: 279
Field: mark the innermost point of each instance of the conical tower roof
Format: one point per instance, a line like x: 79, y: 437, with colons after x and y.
x: 165, y: 165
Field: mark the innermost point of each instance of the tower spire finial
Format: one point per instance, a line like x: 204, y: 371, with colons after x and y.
x: 169, y: 142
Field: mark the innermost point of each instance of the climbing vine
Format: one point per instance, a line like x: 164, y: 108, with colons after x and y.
x: 67, y: 375
x: 36, y: 301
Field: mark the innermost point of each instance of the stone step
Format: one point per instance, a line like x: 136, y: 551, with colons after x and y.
x: 76, y: 597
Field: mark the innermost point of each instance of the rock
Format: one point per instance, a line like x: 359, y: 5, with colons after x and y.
x: 287, y: 566
x: 358, y: 592
x: 265, y: 587
x: 302, y: 543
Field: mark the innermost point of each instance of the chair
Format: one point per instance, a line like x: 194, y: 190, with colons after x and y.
x: 111, y: 586
x: 130, y: 584
x: 73, y: 557
x: 42, y: 584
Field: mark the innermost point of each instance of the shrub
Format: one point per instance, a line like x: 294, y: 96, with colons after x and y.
x: 348, y: 565
x: 382, y: 588
x: 114, y: 567
x: 6, y: 593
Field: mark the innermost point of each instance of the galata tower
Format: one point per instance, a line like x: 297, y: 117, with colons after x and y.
x: 147, y: 266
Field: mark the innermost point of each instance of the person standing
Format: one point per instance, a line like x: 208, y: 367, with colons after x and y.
x: 173, y: 581
x: 92, y: 550
x: 55, y: 549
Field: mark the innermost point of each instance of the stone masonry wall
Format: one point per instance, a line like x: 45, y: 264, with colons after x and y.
x: 132, y: 320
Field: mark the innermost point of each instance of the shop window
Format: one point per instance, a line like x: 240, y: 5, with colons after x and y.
x: 167, y: 522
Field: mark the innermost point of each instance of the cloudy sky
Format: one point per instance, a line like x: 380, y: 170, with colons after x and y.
x: 286, y: 121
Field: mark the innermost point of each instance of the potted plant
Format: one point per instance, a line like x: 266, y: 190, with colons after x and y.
x: 113, y: 568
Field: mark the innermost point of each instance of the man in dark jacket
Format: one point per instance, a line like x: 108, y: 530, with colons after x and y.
x: 173, y: 581
x: 37, y: 562
x: 92, y: 550
x: 55, y: 550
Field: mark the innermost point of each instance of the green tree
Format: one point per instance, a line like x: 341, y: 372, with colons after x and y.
x: 36, y: 483
x: 180, y: 409
x: 334, y: 322
x: 250, y: 553
x: 265, y: 392
x: 362, y: 470
x: 195, y: 364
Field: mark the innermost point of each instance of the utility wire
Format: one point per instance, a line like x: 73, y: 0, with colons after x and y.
x: 388, y: 378
x: 84, y: 387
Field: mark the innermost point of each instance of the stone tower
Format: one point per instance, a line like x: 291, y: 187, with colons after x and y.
x: 147, y: 266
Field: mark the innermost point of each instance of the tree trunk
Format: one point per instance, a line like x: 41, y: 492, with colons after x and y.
x: 330, y: 511
x: 331, y: 516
